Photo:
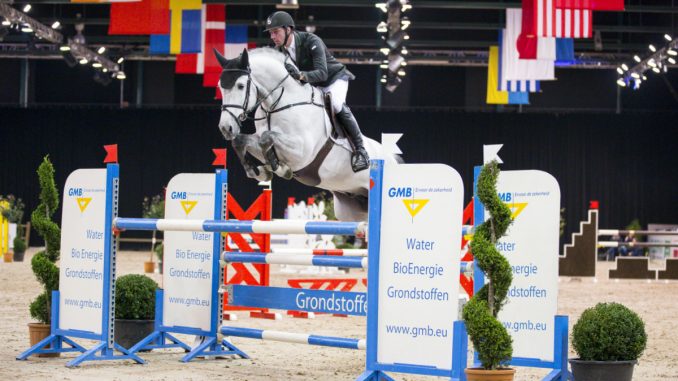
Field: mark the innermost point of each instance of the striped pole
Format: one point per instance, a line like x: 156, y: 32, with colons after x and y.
x: 637, y: 232
x: 236, y: 226
x: 292, y: 259
x: 336, y: 252
x: 635, y: 244
x: 298, y: 338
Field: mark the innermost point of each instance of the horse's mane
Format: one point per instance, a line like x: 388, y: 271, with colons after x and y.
x: 268, y: 53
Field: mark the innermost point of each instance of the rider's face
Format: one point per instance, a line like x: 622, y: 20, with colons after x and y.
x: 278, y: 36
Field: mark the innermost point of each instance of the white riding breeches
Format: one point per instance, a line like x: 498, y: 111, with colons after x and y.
x: 338, y: 88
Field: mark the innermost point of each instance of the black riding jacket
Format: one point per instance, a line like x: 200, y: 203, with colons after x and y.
x: 313, y: 59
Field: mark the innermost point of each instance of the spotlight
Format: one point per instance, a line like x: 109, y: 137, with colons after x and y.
x: 635, y: 75
x: 101, y: 50
x: 401, y: 73
x: 668, y: 37
x: 620, y: 71
x: 652, y: 48
x: 56, y: 25
x: 656, y: 70
x: 382, y: 27
x: 6, y: 23
x: 97, y: 65
x: 120, y: 60
x: 27, y: 29
x: 105, y: 70
x: 404, y: 63
x: 651, y: 63
x: 636, y: 58
x: 381, y: 6
x: 383, y: 80
x: 27, y: 8
x: 384, y: 51
x: 672, y: 52
x: 672, y: 61
x: 626, y: 68
x: 404, y: 51
x: 120, y: 75
x: 65, y: 48
x: 404, y: 23
x: 644, y: 77
x: 621, y: 82
x: 383, y: 66
x: 83, y: 61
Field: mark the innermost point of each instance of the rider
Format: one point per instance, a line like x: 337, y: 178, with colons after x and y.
x: 319, y: 68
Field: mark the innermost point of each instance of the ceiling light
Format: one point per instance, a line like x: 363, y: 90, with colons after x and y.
x: 404, y: 63
x: 651, y: 63
x: 56, y: 25
x: 636, y: 58
x: 383, y: 80
x: 27, y: 29
x: 401, y: 73
x: 96, y: 65
x: 635, y: 75
x: 105, y: 70
x: 405, y: 8
x: 65, y: 48
x: 120, y: 75
x: 83, y: 61
x: 6, y: 23
x: 626, y: 68
x: 667, y: 37
x: 407, y: 36
x: 672, y: 61
x: 621, y: 82
x: 404, y: 23
x: 644, y: 77
x: 404, y: 51
x: 383, y: 66
x: 27, y: 8
x: 672, y: 52
x: 385, y: 51
x: 652, y: 48
x: 656, y: 70
x: 382, y: 27
x: 620, y: 71
x: 101, y: 50
x: 120, y: 60
x: 381, y: 6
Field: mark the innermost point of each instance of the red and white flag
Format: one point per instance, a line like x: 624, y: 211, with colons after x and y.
x: 542, y: 18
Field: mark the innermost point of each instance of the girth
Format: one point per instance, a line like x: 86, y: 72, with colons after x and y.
x: 309, y: 174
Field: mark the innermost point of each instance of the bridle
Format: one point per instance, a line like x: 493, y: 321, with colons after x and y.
x: 247, y: 111
x: 244, y: 107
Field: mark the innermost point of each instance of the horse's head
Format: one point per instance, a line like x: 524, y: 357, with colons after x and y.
x: 238, y: 93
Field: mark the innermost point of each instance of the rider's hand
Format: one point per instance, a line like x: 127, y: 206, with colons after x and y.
x: 294, y: 72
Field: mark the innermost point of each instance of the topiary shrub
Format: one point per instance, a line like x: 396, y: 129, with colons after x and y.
x: 609, y: 332
x: 490, y: 338
x: 43, y: 262
x: 135, y: 297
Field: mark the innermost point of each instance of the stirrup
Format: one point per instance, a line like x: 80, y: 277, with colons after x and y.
x: 359, y: 162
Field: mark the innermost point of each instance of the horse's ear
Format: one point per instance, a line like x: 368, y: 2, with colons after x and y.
x: 244, y: 59
x: 221, y: 59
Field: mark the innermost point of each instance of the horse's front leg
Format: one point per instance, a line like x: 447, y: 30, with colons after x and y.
x: 248, y: 151
x: 280, y: 151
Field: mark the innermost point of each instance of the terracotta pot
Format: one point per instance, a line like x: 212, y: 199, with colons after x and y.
x: 480, y: 374
x: 37, y: 332
x: 149, y: 266
x: 8, y: 256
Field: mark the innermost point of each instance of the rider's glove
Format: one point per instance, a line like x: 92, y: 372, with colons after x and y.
x: 294, y: 72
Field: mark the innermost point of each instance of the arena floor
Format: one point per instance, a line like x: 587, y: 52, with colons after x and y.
x: 280, y: 361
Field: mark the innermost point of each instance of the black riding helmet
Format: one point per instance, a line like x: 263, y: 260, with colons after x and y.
x: 279, y: 19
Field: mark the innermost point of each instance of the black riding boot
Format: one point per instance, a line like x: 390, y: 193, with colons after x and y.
x: 360, y: 159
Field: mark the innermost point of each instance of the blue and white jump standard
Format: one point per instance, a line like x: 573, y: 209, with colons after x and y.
x: 85, y: 186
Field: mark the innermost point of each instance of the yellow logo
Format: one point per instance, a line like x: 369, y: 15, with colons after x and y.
x: 516, y: 208
x: 83, y: 202
x: 414, y: 206
x: 187, y: 206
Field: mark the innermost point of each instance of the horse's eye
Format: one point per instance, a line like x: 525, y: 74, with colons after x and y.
x: 241, y: 86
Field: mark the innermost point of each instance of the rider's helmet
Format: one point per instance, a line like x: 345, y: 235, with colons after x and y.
x: 279, y: 19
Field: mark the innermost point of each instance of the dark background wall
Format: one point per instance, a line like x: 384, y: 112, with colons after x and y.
x: 628, y: 162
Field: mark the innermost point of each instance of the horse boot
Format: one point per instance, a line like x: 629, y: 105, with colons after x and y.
x: 360, y: 160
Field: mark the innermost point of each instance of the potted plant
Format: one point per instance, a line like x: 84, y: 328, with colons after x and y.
x: 608, y: 338
x: 153, y: 208
x: 43, y: 261
x: 490, y: 338
x: 134, y: 308
x: 19, y: 249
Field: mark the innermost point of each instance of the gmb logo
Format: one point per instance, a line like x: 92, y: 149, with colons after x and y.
x: 81, y: 201
x: 412, y: 205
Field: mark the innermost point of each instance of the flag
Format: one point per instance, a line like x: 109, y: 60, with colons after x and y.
x: 235, y: 41
x: 185, y: 29
x: 512, y: 67
x: 503, y: 84
x: 103, y: 1
x: 213, y: 32
x: 607, y: 5
x: 495, y: 96
x: 542, y: 18
x: 141, y: 17
x: 564, y: 51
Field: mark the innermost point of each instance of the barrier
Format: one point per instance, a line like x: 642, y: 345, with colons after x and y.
x: 4, y: 229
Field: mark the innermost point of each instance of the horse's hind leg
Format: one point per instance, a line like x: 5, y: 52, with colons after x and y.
x: 246, y: 148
